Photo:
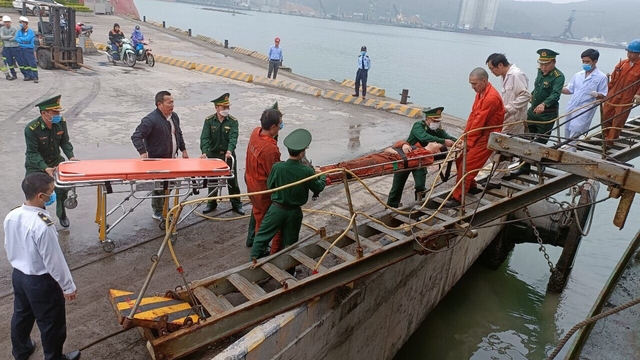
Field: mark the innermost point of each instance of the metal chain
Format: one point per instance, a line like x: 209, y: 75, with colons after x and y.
x: 539, y: 239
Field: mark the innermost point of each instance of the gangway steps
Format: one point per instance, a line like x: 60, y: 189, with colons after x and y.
x: 250, y: 290
x: 212, y: 303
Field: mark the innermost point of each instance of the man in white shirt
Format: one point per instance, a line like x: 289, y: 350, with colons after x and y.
x: 41, y: 278
x: 515, y: 97
x: 586, y: 88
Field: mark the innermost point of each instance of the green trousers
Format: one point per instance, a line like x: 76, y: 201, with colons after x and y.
x: 251, y: 232
x: 400, y: 179
x: 541, y: 128
x: 233, y: 186
x: 61, y: 196
x: 288, y: 221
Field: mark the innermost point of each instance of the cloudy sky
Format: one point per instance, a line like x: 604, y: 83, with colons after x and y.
x: 554, y: 1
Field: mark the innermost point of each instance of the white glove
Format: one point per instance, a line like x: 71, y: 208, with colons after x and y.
x: 636, y: 99
x: 594, y: 94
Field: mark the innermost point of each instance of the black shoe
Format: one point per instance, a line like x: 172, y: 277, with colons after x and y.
x: 452, y: 203
x: 355, y: 95
x: 211, y: 206
x: 35, y: 80
x: 27, y: 79
x: 238, y: 210
x: 474, y: 191
x: 33, y: 347
x: 524, y: 170
x: 64, y: 222
x: 73, y: 355
x: 492, y: 186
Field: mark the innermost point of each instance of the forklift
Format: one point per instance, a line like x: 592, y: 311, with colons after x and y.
x: 56, y: 38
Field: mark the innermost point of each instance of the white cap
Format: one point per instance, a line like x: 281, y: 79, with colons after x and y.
x: 6, y: 18
x: 23, y: 18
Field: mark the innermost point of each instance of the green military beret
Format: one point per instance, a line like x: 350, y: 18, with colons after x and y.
x: 299, y: 139
x: 50, y: 104
x: 546, y: 55
x: 222, y: 100
x: 275, y: 106
x: 433, y: 113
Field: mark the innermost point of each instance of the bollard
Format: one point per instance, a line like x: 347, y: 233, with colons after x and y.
x: 189, y: 32
x: 144, y: 18
x: 226, y: 43
x: 163, y: 25
x: 404, y: 96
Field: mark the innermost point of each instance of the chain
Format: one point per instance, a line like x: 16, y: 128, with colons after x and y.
x: 539, y: 239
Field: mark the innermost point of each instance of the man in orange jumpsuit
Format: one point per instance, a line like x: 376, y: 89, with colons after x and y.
x: 625, y: 75
x: 487, y: 111
x: 262, y: 153
x: 399, y: 156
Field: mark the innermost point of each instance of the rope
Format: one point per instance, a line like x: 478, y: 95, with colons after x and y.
x: 590, y: 321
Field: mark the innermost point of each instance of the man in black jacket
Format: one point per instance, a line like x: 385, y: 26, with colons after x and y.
x: 159, y: 136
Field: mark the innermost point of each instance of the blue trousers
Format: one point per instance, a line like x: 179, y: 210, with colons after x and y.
x: 361, y: 76
x: 12, y: 56
x: 30, y: 64
x: 37, y: 298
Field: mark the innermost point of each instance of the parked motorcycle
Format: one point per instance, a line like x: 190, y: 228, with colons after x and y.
x: 83, y: 30
x: 126, y: 53
x: 143, y: 53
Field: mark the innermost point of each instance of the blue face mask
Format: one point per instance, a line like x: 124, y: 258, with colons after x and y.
x: 282, y: 125
x: 52, y: 199
x: 587, y: 67
x: 56, y: 119
x: 21, y: 26
x: 364, y: 53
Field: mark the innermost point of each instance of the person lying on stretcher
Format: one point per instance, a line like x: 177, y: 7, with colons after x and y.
x: 399, y: 156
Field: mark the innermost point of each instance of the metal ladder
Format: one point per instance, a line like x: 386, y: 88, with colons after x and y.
x: 242, y: 297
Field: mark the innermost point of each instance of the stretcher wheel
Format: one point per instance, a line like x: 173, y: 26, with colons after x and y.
x: 163, y: 224
x: 174, y: 239
x: 71, y: 203
x: 108, y: 245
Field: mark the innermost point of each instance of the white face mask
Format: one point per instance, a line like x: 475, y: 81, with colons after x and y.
x: 434, y: 126
x: 224, y: 113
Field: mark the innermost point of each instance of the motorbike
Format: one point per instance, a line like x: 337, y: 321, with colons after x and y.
x: 83, y: 30
x: 126, y: 53
x: 143, y: 53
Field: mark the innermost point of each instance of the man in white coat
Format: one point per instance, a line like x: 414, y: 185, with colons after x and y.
x: 586, y: 88
x: 515, y: 97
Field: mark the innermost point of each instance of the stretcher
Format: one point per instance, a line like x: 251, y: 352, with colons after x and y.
x: 140, y: 179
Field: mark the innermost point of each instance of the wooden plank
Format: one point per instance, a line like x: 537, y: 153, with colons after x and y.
x: 211, y: 302
x: 364, y: 241
x: 336, y: 251
x: 277, y: 273
x: 250, y: 290
x: 396, y: 234
x: 306, y: 261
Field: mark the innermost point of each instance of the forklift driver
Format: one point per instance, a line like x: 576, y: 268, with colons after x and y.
x: 115, y: 37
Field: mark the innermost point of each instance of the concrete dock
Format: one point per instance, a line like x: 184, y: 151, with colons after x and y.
x: 104, y: 104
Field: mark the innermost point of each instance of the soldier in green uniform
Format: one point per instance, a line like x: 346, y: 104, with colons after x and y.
x: 544, y: 102
x: 285, y: 213
x: 218, y: 140
x: 45, y: 136
x: 422, y: 132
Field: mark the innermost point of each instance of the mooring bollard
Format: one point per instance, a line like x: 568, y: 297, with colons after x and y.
x: 189, y: 32
x: 144, y: 18
x: 404, y: 96
x: 226, y: 43
x: 164, y: 25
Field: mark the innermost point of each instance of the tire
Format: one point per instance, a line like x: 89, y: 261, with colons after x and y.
x: 129, y: 59
x: 44, y: 59
x: 151, y: 61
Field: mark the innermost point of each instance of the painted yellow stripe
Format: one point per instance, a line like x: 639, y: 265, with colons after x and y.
x: 226, y: 73
x: 254, y: 339
x: 403, y: 108
x: 391, y: 106
x: 126, y: 305
x: 152, y: 314
x: 233, y: 74
x: 329, y: 94
x: 117, y: 293
x: 220, y: 71
x: 414, y: 113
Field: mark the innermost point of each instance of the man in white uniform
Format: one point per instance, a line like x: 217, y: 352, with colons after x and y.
x: 585, y: 88
x: 41, y: 278
x: 515, y: 97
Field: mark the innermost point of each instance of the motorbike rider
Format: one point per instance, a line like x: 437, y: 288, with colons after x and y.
x: 115, y: 37
x: 137, y: 37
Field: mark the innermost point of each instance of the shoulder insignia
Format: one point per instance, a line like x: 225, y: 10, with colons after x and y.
x: 46, y: 219
x: 210, y: 117
x: 33, y: 126
x: 232, y: 118
x: 556, y: 73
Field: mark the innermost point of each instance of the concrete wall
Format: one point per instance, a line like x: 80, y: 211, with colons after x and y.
x: 478, y: 14
x: 374, y: 320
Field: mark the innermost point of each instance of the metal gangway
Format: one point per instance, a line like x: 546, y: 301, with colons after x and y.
x: 204, y: 313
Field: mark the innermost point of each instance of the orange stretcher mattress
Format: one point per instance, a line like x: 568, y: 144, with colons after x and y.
x: 140, y: 169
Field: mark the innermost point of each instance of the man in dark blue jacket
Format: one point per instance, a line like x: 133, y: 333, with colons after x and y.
x: 159, y: 136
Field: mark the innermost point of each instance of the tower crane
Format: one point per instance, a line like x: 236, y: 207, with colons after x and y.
x: 567, y: 29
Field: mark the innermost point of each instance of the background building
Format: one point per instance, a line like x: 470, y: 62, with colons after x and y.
x: 477, y: 14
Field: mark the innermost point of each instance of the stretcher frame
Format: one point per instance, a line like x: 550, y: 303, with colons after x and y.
x: 177, y: 189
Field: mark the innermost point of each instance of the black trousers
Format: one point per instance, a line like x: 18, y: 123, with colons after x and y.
x: 362, y: 75
x: 37, y: 298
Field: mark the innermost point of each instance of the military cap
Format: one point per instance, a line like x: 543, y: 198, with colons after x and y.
x: 222, y: 100
x: 298, y: 140
x: 50, y: 104
x: 433, y: 113
x: 275, y: 106
x: 546, y: 55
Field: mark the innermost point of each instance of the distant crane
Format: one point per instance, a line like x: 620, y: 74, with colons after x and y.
x: 567, y: 29
x: 323, y: 9
x: 372, y: 9
x: 399, y: 14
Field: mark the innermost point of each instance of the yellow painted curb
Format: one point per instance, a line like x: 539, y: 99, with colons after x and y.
x: 228, y: 73
x: 304, y: 89
x: 371, y: 90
